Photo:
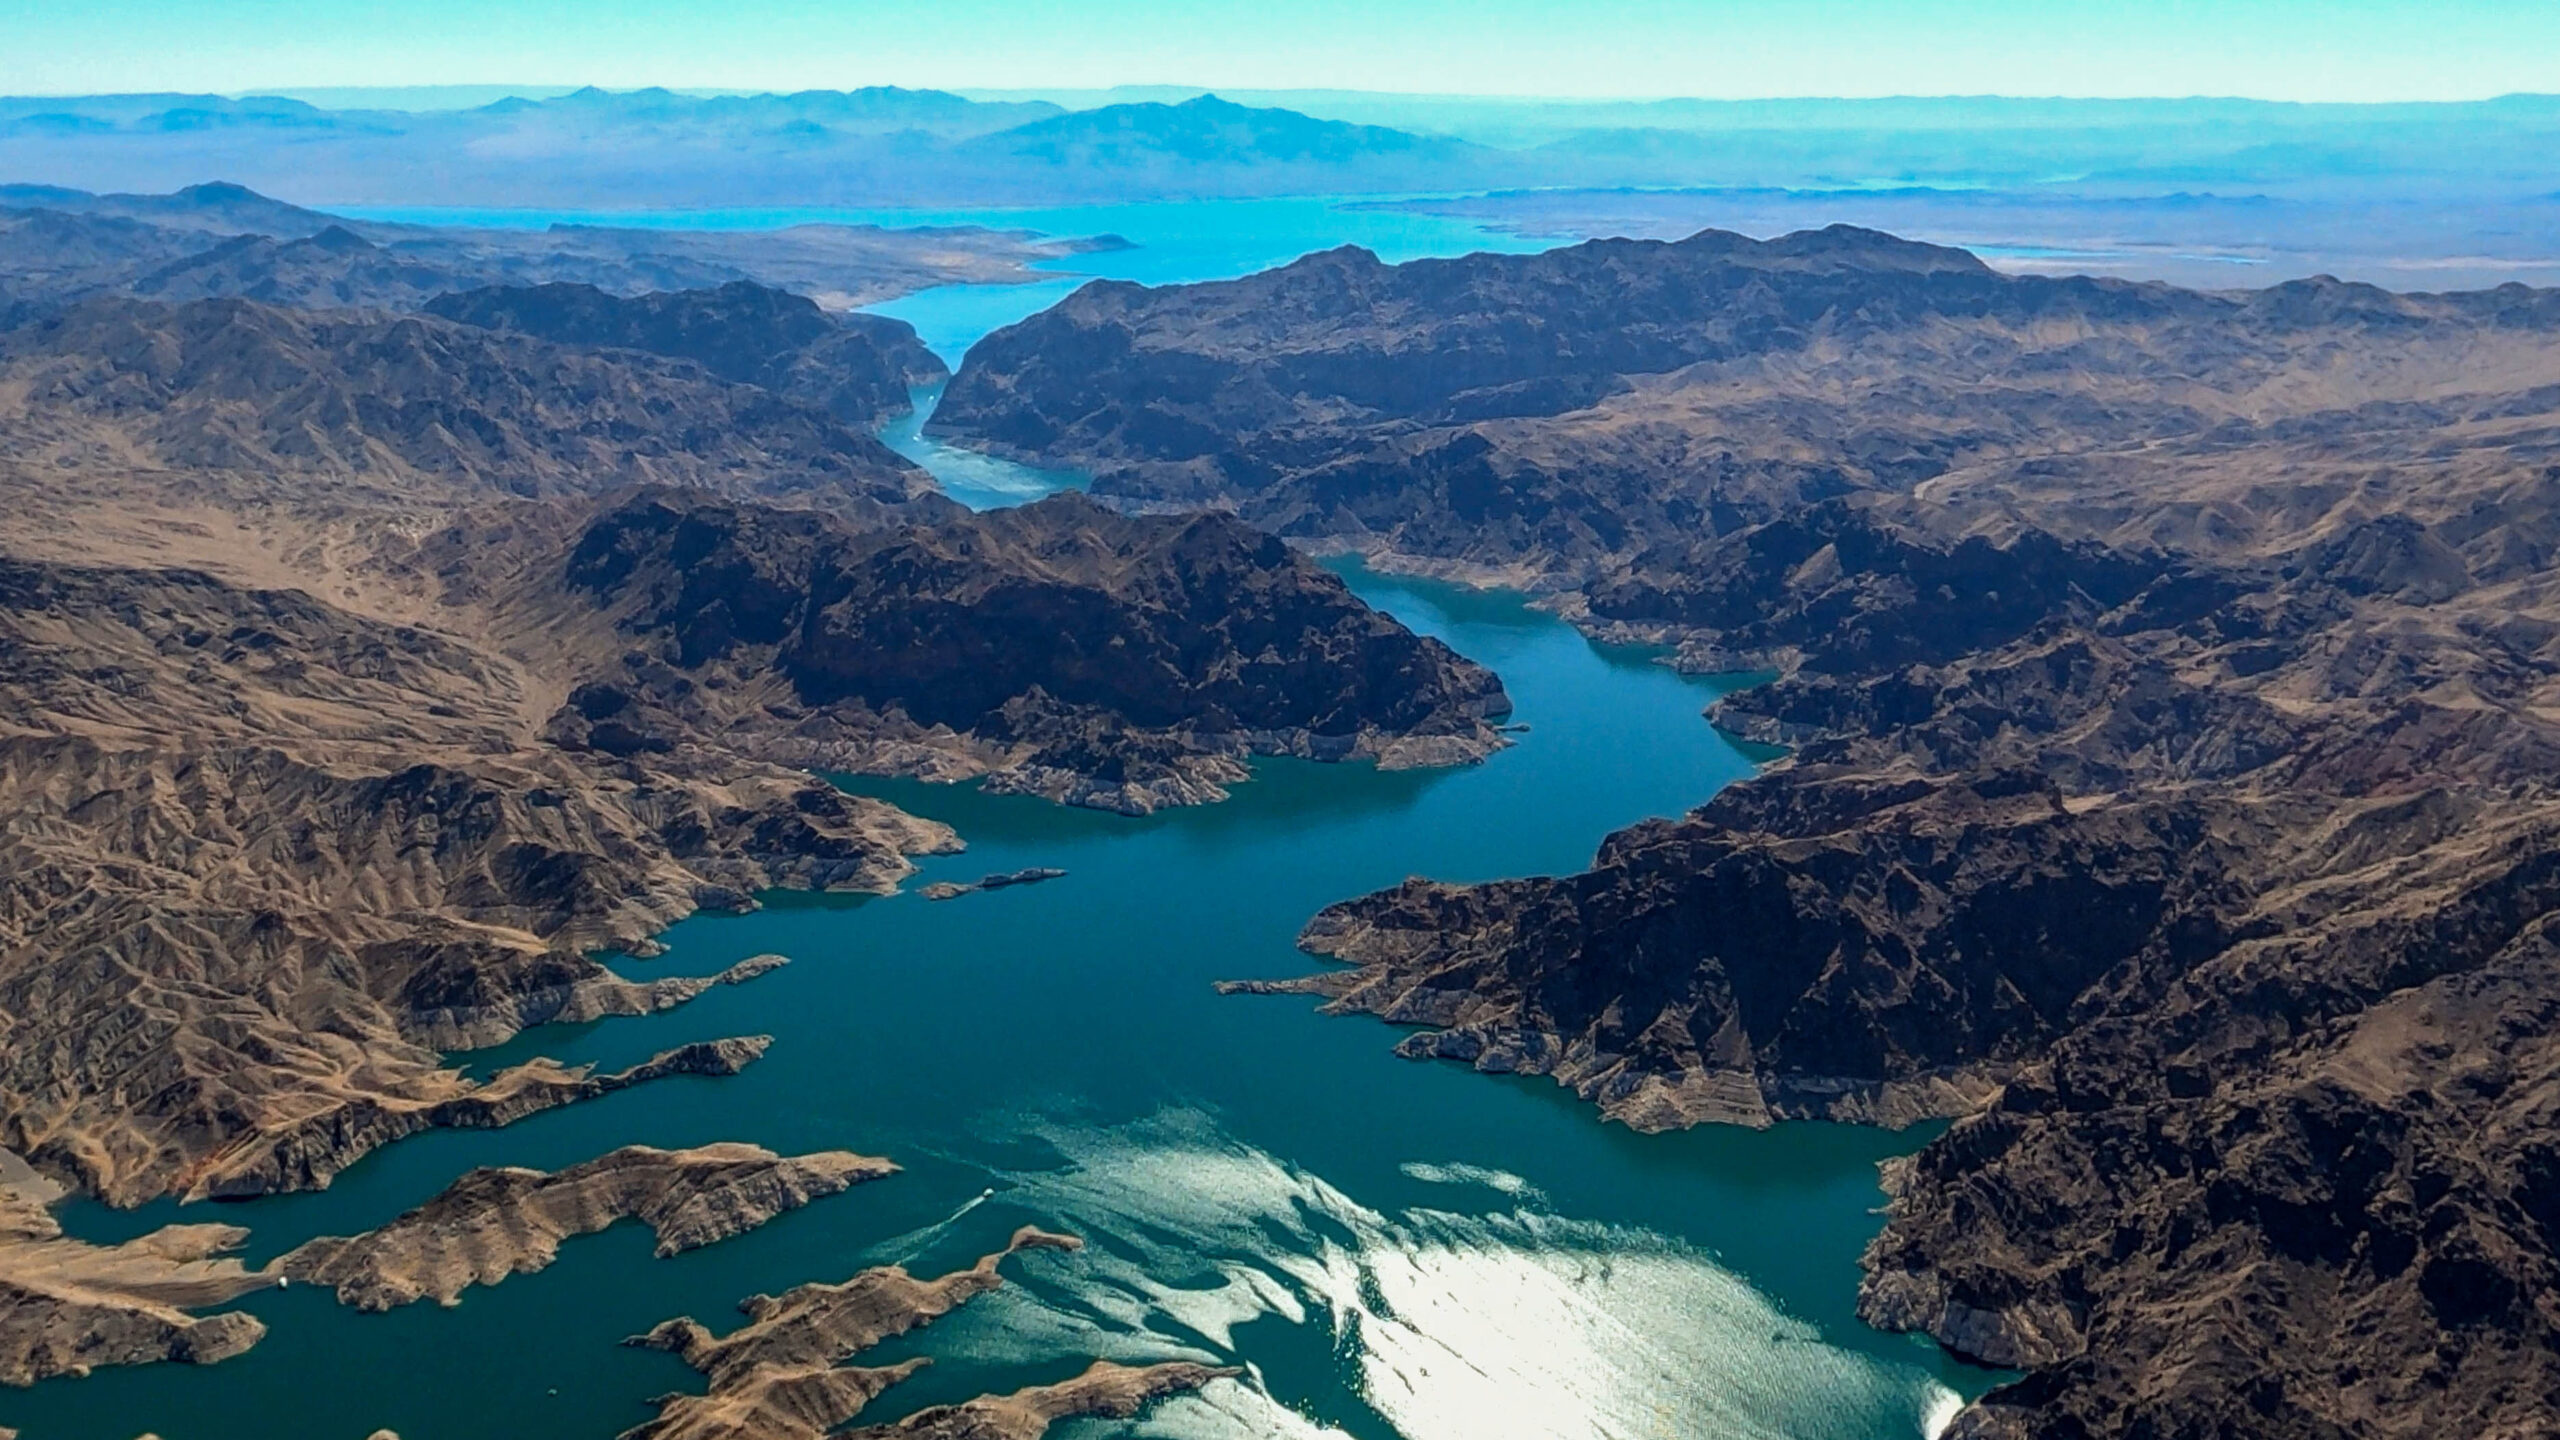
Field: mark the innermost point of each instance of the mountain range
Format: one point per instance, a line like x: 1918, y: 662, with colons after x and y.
x: 893, y: 147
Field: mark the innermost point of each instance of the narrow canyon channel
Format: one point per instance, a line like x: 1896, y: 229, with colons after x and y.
x: 1390, y: 1248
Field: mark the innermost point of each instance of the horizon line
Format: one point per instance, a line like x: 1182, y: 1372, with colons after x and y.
x: 975, y: 93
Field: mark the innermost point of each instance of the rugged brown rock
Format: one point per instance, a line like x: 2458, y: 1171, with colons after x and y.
x: 1107, y: 1389
x: 782, y: 1375
x: 2172, y: 809
x: 420, y: 405
x: 1059, y: 649
x: 67, y: 1307
x: 263, y: 853
x: 858, y: 367
x: 320, y: 755
x: 493, y: 1223
x: 1557, y: 419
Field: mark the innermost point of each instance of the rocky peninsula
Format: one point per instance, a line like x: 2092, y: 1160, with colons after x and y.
x: 783, y: 1376
x: 1059, y: 649
x: 493, y: 1223
x: 67, y: 1307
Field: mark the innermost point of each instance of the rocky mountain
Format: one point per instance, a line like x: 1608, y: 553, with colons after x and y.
x: 1059, y: 648
x: 334, y: 268
x: 652, y: 148
x: 2166, y: 681
x: 869, y: 110
x: 2166, y: 801
x: 409, y: 403
x: 214, y: 207
x: 1207, y: 131
x: 48, y: 255
x: 856, y: 367
x: 1552, y: 418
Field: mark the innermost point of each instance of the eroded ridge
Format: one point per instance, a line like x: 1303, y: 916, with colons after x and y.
x: 496, y: 1222
x: 782, y: 1375
x: 1107, y: 1389
x: 67, y: 1307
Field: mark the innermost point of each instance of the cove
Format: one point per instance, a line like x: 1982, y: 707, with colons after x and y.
x: 1394, y: 1248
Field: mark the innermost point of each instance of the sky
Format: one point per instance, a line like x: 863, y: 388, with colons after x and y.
x: 2272, y: 49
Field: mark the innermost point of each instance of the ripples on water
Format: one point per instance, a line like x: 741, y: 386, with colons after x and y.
x: 1461, y: 1323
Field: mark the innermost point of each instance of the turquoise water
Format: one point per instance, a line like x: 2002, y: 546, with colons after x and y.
x: 979, y: 481
x: 1172, y: 242
x: 1393, y: 1248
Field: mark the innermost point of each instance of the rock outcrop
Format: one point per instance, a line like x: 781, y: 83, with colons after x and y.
x: 1111, y: 1390
x: 782, y: 1375
x: 469, y: 1005
x: 493, y: 1223
x: 1003, y: 880
x: 1060, y: 649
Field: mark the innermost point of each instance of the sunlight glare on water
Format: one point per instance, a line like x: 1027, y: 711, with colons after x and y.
x: 1518, y: 1322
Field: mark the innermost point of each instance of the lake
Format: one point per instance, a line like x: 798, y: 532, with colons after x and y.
x: 1391, y: 1248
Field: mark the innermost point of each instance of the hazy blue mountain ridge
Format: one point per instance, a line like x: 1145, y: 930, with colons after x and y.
x: 888, y: 146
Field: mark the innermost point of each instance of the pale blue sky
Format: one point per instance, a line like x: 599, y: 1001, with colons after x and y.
x: 2276, y: 49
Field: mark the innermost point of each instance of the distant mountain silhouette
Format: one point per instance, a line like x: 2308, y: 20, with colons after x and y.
x: 1210, y: 131
x: 617, y: 149
x: 220, y: 206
